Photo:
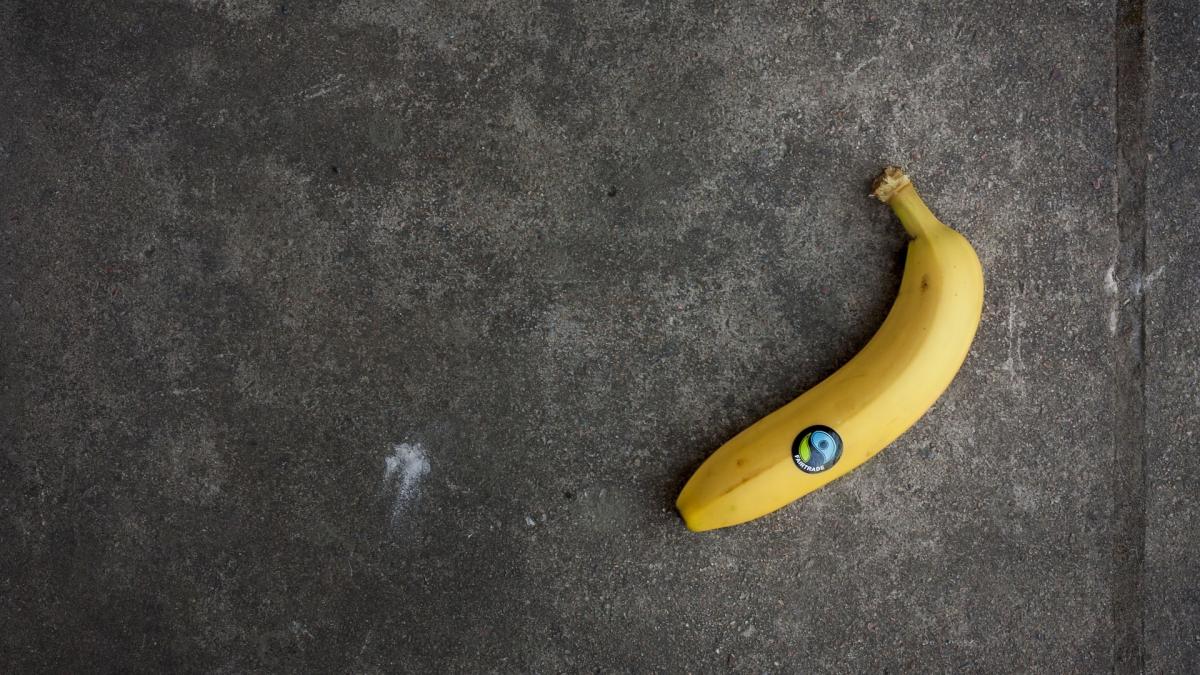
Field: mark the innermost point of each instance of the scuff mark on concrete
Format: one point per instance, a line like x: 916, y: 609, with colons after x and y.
x: 324, y: 88
x: 402, y: 474
x: 1112, y: 288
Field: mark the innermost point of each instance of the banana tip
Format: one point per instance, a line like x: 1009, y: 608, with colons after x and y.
x: 690, y: 516
x: 888, y: 183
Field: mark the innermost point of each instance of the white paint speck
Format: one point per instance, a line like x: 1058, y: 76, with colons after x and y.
x: 529, y: 521
x: 1110, y: 279
x: 402, y: 474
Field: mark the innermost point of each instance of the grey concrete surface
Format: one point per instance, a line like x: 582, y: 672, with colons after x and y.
x: 1172, y: 289
x: 373, y: 336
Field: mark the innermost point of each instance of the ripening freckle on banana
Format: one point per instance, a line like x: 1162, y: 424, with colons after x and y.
x: 845, y: 420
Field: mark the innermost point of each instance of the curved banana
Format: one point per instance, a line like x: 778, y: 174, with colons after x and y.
x: 843, y: 421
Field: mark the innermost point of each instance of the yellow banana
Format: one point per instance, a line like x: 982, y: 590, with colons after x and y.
x: 842, y: 422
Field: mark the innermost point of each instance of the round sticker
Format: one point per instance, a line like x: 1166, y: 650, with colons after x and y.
x: 816, y: 449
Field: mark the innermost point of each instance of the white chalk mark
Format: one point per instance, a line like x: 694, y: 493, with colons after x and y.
x: 1014, y: 337
x: 325, y: 88
x: 366, y: 641
x: 402, y: 473
x: 1112, y: 288
x: 1110, y: 279
x: 855, y: 69
x: 1014, y: 363
x: 1138, y: 286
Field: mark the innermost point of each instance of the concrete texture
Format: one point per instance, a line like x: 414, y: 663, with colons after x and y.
x: 1171, y: 286
x: 373, y: 336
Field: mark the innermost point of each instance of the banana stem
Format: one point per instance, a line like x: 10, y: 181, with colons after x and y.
x: 894, y: 188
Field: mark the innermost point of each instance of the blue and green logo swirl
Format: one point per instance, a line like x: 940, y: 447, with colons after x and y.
x: 816, y: 449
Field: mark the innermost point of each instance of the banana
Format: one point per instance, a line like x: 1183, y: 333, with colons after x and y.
x: 845, y: 420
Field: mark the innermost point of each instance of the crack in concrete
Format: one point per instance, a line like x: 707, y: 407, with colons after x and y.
x: 1129, y: 430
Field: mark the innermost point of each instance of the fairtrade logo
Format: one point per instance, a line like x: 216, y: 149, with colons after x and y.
x: 816, y: 449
